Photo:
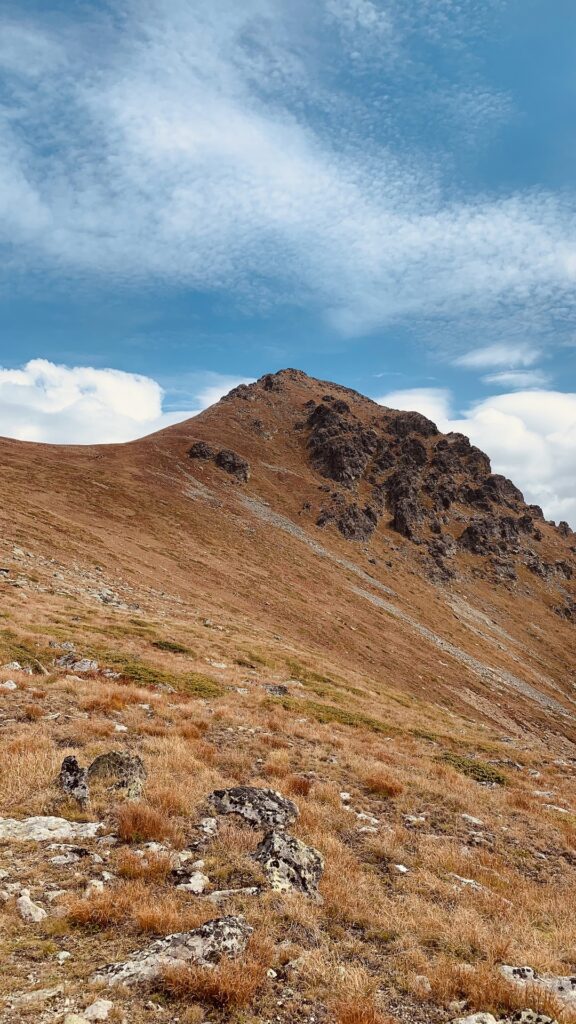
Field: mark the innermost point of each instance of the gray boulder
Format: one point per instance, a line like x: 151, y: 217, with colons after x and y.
x: 259, y: 807
x: 289, y: 864
x: 562, y: 986
x: 224, y: 936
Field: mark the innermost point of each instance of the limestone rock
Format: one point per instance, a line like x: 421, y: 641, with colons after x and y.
x: 46, y: 828
x: 30, y: 911
x: 563, y: 987
x: 224, y: 936
x: 289, y: 864
x: 259, y: 807
x: 98, y: 1010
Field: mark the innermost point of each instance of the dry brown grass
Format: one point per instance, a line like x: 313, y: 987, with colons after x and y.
x: 230, y: 985
x: 138, y: 822
x: 298, y: 785
x: 359, y: 1010
x: 152, y: 867
x: 381, y: 783
x: 137, y: 907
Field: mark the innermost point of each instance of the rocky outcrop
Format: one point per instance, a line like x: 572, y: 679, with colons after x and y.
x: 340, y: 446
x: 226, y: 459
x: 224, y: 936
x: 261, y: 808
x: 289, y: 864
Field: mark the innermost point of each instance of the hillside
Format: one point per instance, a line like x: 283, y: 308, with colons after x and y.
x: 303, y: 591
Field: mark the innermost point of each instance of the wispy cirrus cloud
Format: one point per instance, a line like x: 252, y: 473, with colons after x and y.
x: 213, y: 149
x: 509, y: 355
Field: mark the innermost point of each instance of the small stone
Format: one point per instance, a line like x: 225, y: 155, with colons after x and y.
x: 345, y: 797
x: 98, y: 1010
x: 75, y: 1018
x: 8, y: 685
x: 30, y: 911
x: 471, y: 819
x: 94, y: 887
x: 401, y: 869
x: 63, y: 956
x: 271, y: 973
x: 72, y: 780
x: 120, y: 728
x: 195, y: 883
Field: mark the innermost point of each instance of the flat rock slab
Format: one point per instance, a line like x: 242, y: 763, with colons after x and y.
x: 259, y: 807
x: 562, y: 986
x: 224, y: 936
x: 45, y: 828
x: 289, y: 864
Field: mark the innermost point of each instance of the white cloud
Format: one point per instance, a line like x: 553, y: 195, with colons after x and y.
x: 518, y: 379
x: 505, y: 355
x: 206, y: 146
x: 42, y: 401
x: 530, y: 437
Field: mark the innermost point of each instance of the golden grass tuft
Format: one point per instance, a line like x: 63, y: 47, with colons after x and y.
x: 230, y: 985
x: 138, y: 822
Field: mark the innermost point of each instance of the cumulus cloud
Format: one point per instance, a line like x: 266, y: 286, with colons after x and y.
x: 207, y: 147
x: 530, y: 437
x: 42, y: 401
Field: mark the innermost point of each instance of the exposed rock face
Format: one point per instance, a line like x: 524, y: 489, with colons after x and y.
x: 339, y: 445
x: 289, y: 864
x: 224, y: 936
x: 46, y: 828
x: 30, y: 911
x: 259, y: 807
x: 72, y: 780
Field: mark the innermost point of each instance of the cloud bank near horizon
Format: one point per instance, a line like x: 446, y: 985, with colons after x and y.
x: 44, y: 402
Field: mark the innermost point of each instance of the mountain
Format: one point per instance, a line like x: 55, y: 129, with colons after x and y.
x: 297, y: 588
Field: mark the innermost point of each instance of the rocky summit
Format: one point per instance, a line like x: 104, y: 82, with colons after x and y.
x: 287, y: 709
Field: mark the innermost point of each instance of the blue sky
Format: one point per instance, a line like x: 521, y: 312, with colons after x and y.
x: 379, y: 192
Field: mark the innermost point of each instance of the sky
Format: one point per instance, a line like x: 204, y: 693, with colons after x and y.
x: 378, y: 192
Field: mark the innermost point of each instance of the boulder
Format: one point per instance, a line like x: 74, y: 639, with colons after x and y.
x: 289, y: 864
x: 224, y: 936
x: 233, y: 464
x: 72, y: 780
x: 259, y: 807
x: 201, y: 450
x: 30, y: 911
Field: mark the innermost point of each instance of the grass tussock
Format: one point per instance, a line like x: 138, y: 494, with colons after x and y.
x: 138, y: 822
x: 230, y: 985
x: 480, y: 771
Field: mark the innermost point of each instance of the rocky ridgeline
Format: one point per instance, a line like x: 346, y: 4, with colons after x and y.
x: 436, y: 490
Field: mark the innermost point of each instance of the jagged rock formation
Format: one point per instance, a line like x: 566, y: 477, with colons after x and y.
x: 289, y: 864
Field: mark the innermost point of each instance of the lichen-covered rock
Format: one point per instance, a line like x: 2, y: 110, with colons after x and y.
x: 80, y: 666
x: 289, y: 864
x: 260, y: 807
x: 224, y: 936
x: 127, y: 769
x: 562, y: 986
x: 72, y: 780
x: 45, y: 828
